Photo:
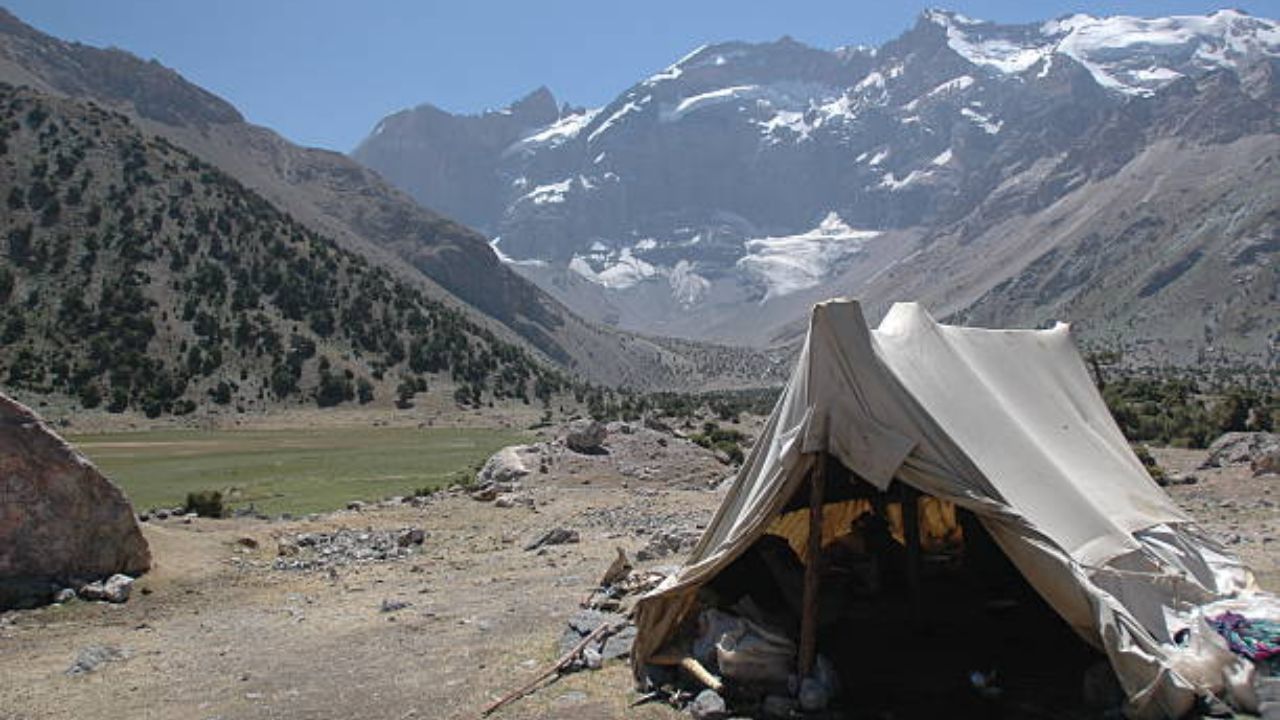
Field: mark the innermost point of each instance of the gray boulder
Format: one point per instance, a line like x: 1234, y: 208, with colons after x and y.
x: 708, y: 705
x: 1241, y: 448
x: 504, y: 466
x: 60, y: 519
x: 586, y: 436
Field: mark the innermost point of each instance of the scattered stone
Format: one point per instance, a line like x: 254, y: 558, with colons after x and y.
x: 91, y: 658
x: 355, y: 505
x: 582, y: 624
x: 389, y: 605
x: 510, y: 500
x: 248, y: 542
x: 1267, y: 463
x: 708, y: 705
x: 488, y: 493
x: 347, y: 546
x: 411, y: 536
x: 114, y: 589
x: 1177, y: 478
x: 592, y: 659
x: 63, y: 596
x: 586, y: 436
x: 554, y: 536
x: 664, y: 543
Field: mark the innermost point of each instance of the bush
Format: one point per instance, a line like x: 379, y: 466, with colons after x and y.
x: 205, y: 503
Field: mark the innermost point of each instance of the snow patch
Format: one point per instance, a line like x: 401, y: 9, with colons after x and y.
x: 555, y: 134
x: 687, y: 286
x: 791, y: 263
x: 982, y: 121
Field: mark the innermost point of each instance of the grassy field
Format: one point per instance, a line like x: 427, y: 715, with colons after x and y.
x: 296, y: 471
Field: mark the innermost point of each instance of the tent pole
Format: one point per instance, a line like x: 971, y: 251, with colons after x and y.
x: 911, y: 534
x: 812, y: 569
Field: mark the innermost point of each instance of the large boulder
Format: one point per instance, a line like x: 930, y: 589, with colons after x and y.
x: 503, y: 467
x: 61, y: 521
x: 586, y: 436
x: 1241, y: 448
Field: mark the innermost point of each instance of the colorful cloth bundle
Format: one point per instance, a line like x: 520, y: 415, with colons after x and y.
x: 1258, y: 640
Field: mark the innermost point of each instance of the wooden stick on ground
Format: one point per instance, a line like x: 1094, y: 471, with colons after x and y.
x: 690, y: 665
x: 555, y: 669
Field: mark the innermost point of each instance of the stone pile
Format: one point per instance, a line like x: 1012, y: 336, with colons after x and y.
x: 310, y: 551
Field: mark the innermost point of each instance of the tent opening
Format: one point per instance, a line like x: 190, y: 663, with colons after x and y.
x: 909, y: 626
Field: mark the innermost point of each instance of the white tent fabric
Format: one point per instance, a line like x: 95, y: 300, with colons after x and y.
x: 1007, y: 424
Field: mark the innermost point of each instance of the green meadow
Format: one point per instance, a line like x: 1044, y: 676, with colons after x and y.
x: 294, y: 471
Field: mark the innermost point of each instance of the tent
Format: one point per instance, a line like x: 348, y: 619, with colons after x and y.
x: 1004, y: 424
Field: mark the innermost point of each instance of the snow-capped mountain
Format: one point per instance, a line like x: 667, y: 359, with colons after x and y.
x: 722, y: 194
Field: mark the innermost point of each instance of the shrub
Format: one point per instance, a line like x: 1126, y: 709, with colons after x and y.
x: 205, y: 503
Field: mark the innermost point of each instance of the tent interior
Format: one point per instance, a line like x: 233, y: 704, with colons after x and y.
x: 911, y: 621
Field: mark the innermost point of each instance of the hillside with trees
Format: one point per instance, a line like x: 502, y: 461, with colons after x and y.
x: 134, y: 275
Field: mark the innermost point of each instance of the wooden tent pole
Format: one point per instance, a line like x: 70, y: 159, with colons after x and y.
x: 812, y: 570
x: 911, y: 536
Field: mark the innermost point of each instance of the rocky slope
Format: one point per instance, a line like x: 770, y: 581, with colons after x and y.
x: 336, y: 197
x: 976, y: 166
x: 135, y: 275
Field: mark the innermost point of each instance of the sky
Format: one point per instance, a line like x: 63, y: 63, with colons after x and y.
x: 323, y: 72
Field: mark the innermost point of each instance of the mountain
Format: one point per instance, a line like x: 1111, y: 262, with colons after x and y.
x: 343, y: 200
x: 1116, y: 172
x: 136, y: 275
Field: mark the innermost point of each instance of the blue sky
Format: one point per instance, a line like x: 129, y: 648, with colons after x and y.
x: 322, y: 72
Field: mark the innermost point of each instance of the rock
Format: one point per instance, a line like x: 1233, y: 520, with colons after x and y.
x: 248, y: 542
x: 286, y: 547
x: 505, y: 501
x: 356, y: 505
x: 91, y: 658
x: 583, y: 623
x: 554, y: 536
x: 1240, y: 448
x: 1177, y: 478
x: 619, y: 644
x: 708, y: 705
x: 586, y: 436
x: 65, y: 595
x: 388, y: 605
x: 115, y: 589
x: 411, y: 536
x: 488, y: 493
x: 1267, y: 463
x: 592, y: 659
x: 504, y: 466
x: 664, y: 543
x: 60, y: 518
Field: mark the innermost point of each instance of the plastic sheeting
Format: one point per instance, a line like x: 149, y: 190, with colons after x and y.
x: 1006, y: 424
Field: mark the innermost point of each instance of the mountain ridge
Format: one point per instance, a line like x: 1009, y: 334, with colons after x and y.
x: 703, y: 198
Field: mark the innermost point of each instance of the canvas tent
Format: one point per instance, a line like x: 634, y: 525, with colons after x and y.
x: 1005, y: 424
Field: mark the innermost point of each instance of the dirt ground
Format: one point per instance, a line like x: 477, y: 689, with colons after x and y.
x: 214, y: 631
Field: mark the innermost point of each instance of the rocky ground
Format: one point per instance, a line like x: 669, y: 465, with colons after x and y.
x: 427, y: 610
